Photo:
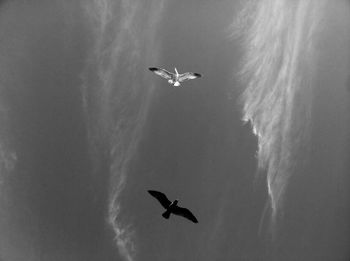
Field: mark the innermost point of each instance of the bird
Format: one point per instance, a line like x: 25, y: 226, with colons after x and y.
x: 175, y: 78
x: 172, y: 207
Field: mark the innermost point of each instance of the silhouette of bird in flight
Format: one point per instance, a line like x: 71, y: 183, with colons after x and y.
x: 174, y: 78
x: 171, y: 207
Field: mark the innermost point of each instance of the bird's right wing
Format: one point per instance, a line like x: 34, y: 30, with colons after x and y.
x: 184, y: 212
x: 189, y: 76
x: 163, y: 200
x: 161, y: 72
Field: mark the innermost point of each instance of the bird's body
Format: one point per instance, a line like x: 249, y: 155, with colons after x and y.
x: 172, y: 207
x: 176, y: 78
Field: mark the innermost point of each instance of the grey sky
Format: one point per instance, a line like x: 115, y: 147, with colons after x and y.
x: 86, y: 130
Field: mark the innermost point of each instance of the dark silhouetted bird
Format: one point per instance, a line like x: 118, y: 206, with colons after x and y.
x: 174, y: 78
x: 171, y: 207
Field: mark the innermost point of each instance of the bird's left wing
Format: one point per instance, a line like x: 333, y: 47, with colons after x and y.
x: 163, y: 200
x: 184, y: 212
x: 161, y: 72
x: 189, y: 76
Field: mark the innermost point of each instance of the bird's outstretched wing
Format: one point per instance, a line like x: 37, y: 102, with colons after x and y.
x: 184, y: 212
x: 189, y: 76
x: 161, y: 72
x: 163, y: 200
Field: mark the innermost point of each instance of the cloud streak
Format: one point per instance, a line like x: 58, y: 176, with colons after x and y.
x: 278, y: 70
x: 8, y: 156
x: 117, y: 93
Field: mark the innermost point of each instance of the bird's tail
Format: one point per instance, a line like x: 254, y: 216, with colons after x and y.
x: 166, y: 214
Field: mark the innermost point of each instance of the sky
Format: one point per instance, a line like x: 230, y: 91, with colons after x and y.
x: 258, y: 148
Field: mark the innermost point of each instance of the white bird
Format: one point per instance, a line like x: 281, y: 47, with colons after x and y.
x: 174, y: 78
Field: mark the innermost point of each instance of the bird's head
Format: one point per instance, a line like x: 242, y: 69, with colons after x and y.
x: 175, y: 202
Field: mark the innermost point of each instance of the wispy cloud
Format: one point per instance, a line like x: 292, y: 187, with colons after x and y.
x: 117, y: 92
x: 8, y: 161
x: 278, y: 69
x: 8, y: 156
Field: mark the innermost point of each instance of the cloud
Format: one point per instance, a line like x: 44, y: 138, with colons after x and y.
x: 278, y: 70
x: 117, y: 92
x: 8, y: 156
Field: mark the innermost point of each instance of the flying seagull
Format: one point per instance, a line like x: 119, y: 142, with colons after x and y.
x: 171, y: 207
x: 174, y: 78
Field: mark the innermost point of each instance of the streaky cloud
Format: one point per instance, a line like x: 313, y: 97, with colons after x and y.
x: 279, y: 38
x: 117, y: 93
x: 8, y: 156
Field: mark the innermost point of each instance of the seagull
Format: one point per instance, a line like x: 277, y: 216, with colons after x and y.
x: 171, y: 207
x: 174, y: 78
